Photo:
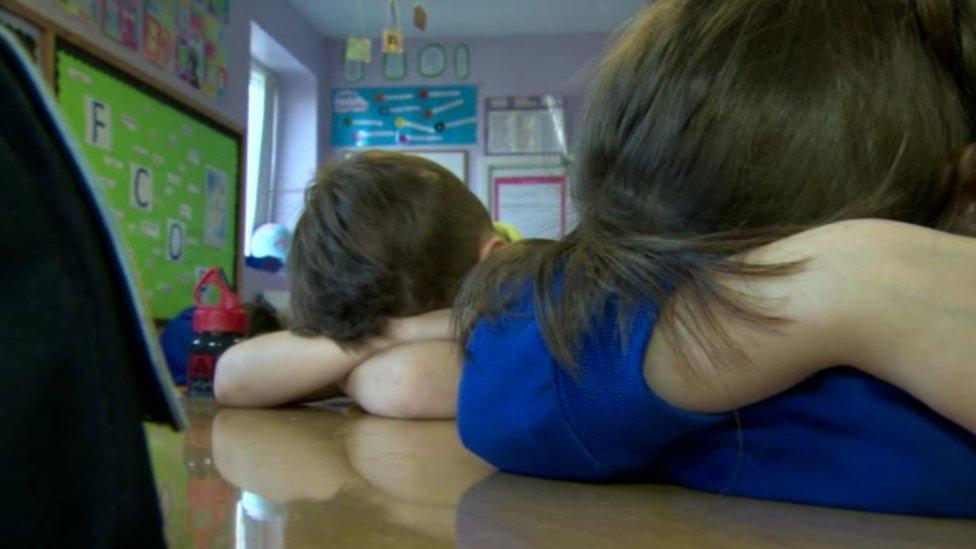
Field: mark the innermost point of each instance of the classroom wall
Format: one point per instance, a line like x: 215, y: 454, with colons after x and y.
x: 293, y: 32
x: 500, y: 66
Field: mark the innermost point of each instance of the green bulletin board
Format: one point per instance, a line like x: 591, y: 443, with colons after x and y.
x: 170, y: 176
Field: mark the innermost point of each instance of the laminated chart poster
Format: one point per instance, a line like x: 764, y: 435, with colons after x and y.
x: 525, y: 125
x: 535, y: 205
x: 169, y: 175
x: 407, y: 116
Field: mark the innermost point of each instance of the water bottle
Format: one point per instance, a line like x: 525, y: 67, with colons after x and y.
x: 215, y: 329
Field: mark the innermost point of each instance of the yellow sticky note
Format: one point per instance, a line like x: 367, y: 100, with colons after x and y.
x: 359, y: 49
x: 392, y: 41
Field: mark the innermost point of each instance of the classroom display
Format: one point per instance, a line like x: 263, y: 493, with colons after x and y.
x: 407, y: 116
x: 353, y: 71
x: 159, y: 38
x: 462, y: 61
x: 535, y: 205
x: 525, y: 125
x: 184, y: 37
x: 169, y: 175
x: 189, y: 43
x: 122, y: 21
x: 394, y: 66
x: 86, y: 10
x: 432, y: 60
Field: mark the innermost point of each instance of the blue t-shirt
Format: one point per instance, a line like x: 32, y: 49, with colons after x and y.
x: 840, y: 438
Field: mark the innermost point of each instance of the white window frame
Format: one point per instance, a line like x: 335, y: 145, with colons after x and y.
x: 259, y: 205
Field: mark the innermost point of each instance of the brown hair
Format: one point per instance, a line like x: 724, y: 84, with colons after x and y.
x: 382, y: 235
x: 717, y: 126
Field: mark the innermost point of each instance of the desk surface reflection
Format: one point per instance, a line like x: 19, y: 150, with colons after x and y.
x: 333, y: 476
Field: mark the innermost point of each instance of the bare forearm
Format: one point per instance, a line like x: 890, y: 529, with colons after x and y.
x: 916, y: 315
x: 894, y: 300
x: 282, y: 368
x: 761, y: 359
x: 412, y: 381
x: 430, y: 326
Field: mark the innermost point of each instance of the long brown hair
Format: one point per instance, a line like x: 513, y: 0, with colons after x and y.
x: 717, y: 126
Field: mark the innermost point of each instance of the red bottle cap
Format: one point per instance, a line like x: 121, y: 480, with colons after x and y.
x: 227, y: 315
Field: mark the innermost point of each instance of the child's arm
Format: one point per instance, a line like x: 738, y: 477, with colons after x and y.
x: 895, y: 300
x: 407, y: 373
x: 281, y: 368
x: 412, y: 381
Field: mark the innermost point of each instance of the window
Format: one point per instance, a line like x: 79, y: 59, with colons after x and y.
x: 262, y: 122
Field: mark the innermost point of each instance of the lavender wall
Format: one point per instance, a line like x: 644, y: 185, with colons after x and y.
x: 286, y: 26
x: 294, y: 33
x: 500, y: 66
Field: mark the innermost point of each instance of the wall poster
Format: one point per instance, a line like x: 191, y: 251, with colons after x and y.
x: 405, y: 116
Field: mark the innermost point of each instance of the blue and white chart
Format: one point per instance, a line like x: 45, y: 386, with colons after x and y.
x: 405, y: 116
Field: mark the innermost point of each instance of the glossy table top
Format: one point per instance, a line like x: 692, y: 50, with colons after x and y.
x: 331, y: 476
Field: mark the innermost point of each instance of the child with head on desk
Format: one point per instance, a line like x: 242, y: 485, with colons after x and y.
x: 672, y: 338
x: 383, y: 236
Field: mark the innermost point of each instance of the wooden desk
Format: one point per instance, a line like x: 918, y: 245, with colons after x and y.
x: 313, y: 477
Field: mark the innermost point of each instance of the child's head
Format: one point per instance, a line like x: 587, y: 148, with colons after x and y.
x: 724, y: 115
x: 383, y: 235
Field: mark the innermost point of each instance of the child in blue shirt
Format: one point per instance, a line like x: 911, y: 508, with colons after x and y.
x: 705, y: 325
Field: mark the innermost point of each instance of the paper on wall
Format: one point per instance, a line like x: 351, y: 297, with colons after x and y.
x: 534, y: 205
x: 359, y: 49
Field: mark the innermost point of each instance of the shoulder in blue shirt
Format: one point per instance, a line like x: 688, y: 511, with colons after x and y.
x: 840, y: 439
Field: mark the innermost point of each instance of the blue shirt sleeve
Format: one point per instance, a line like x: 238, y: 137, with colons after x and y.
x: 523, y: 412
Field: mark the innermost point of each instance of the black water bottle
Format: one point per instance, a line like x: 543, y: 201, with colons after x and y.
x: 215, y: 329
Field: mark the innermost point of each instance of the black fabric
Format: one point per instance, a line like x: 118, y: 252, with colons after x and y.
x: 74, y: 468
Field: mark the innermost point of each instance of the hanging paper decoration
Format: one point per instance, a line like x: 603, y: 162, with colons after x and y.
x: 159, y: 41
x: 392, y: 35
x: 432, y: 60
x: 394, y: 66
x: 353, y: 71
x: 420, y: 16
x: 359, y: 49
x: 393, y: 41
x: 462, y: 61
